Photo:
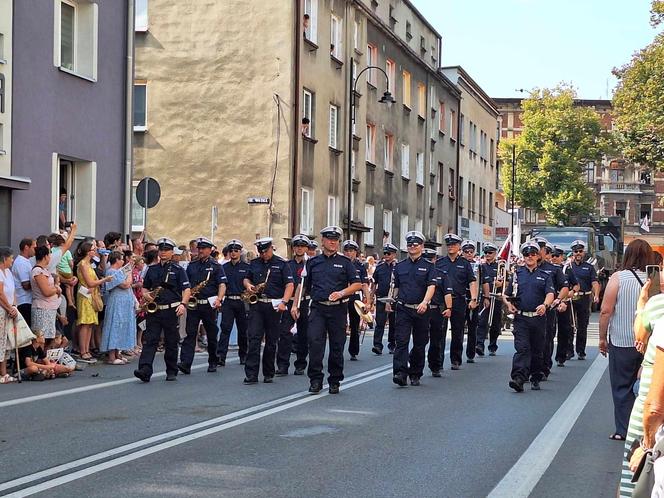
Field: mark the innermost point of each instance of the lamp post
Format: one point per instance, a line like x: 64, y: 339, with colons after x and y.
x: 515, y: 158
x: 385, y: 99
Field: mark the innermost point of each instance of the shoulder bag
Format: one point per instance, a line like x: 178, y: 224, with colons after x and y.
x: 97, y: 301
x: 644, y: 477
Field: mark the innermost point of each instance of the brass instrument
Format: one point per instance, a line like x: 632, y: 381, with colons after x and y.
x: 192, y: 303
x: 151, y: 307
x: 252, y: 297
x: 390, y: 293
x: 500, y: 276
x: 301, y: 287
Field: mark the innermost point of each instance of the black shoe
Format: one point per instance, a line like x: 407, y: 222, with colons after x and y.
x: 243, y: 360
x: 376, y: 350
x: 250, y: 380
x: 390, y: 349
x: 212, y: 368
x: 281, y: 373
x: 315, y: 387
x: 184, y: 368
x: 268, y: 379
x: 517, y: 385
x: 221, y: 363
x: 171, y: 377
x: 334, y: 389
x: 414, y: 381
x: 456, y: 366
x: 569, y: 356
x: 142, y: 374
x: 534, y: 385
x: 561, y: 364
x: 479, y: 351
x: 582, y: 356
x: 492, y: 353
x: 544, y: 378
x: 299, y: 371
x: 436, y: 373
x: 400, y: 380
x: 470, y: 360
x: 353, y: 357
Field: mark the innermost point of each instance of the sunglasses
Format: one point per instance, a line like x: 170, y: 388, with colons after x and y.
x: 412, y: 244
x: 576, y: 251
x: 489, y: 252
x: 386, y: 253
x: 532, y: 252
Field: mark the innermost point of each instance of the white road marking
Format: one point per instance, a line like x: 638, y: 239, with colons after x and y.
x: 529, y: 469
x: 227, y: 422
x: 93, y: 387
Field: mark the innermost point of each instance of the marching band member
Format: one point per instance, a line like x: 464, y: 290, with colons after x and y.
x: 351, y: 250
x: 489, y: 272
x: 589, y: 286
x: 441, y: 308
x: 383, y: 276
x: 472, y: 314
x: 564, y: 309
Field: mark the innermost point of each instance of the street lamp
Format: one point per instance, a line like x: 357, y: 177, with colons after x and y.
x: 515, y: 158
x: 385, y: 99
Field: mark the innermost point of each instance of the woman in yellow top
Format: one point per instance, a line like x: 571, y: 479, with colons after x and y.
x: 87, y: 316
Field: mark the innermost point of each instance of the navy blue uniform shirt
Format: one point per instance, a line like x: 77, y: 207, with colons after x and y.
x: 235, y: 274
x: 296, y: 270
x: 382, y: 276
x: 412, y: 279
x: 558, y: 278
x: 459, y: 272
x: 443, y: 288
x: 328, y: 274
x: 171, y: 277
x: 585, y: 274
x: 532, y: 288
x: 571, y: 278
x: 210, y: 270
x: 280, y: 275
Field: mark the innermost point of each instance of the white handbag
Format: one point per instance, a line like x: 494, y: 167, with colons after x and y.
x: 21, y: 334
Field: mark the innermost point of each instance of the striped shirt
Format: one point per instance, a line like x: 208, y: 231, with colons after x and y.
x: 621, y: 324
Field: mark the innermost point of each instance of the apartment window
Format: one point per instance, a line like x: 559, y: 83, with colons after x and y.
x: 335, y: 37
x: 332, y: 211
x: 3, y: 59
x: 492, y: 153
x: 405, y: 160
x: 621, y: 208
x: 403, y: 230
x: 75, y: 38
x: 140, y: 106
x: 409, y: 34
x: 307, y: 113
x: 589, y: 173
x: 461, y: 198
x: 372, y: 60
x: 334, y: 125
x: 419, y: 173
x: 491, y: 208
x: 441, y: 180
x: 79, y: 180
x: 441, y: 116
x: 371, y: 143
x: 307, y: 211
x: 2, y: 93
x: 617, y: 175
x: 530, y: 215
x: 2, y: 142
x: 421, y: 100
x: 369, y: 222
x: 387, y: 226
x: 646, y: 210
x: 390, y: 69
x: 454, y: 133
x: 311, y: 23
x: 353, y: 168
x: 389, y: 152
x: 451, y: 187
x: 141, y: 16
x: 356, y: 35
x: 406, y: 89
x: 471, y: 137
x: 137, y: 211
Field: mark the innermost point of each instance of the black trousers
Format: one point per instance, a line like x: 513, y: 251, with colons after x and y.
x: 383, y: 317
x: 457, y: 321
x: 624, y: 364
x: 565, y: 332
x: 494, y: 330
x: 208, y: 315
x: 354, y: 322
x: 327, y: 323
x: 529, y: 335
x: 26, y: 311
x: 472, y: 318
x: 233, y: 311
x: 582, y: 313
x: 409, y: 322
x: 165, y: 321
x: 302, y: 338
x: 547, y: 354
x: 264, y: 321
x: 435, y: 353
x: 287, y: 342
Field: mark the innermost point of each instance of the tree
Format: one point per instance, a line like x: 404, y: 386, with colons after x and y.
x: 639, y: 100
x: 558, y: 139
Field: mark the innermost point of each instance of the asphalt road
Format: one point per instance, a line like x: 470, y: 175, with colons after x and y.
x: 102, y: 433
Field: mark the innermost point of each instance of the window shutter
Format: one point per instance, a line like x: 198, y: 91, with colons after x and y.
x: 67, y: 17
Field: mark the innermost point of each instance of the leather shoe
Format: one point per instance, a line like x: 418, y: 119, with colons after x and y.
x: 492, y: 353
x: 353, y: 357
x: 544, y: 378
x: 390, y: 349
x: 171, y: 377
x: 470, y: 360
x: 243, y: 360
x: 221, y: 363
x: 376, y: 350
x: 299, y: 371
x: 212, y: 368
x: 315, y: 387
x: 436, y: 373
x: 561, y: 364
x: 517, y: 385
x: 400, y: 380
x: 582, y: 356
x: 250, y: 380
x: 184, y: 368
x: 268, y: 379
x: 534, y: 385
x: 334, y: 389
x: 479, y: 351
x: 142, y: 374
x: 456, y: 366
x: 414, y: 381
x: 281, y: 373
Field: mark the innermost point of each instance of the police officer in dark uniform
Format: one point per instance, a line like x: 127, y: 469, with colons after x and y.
x: 529, y: 295
x: 168, y: 288
x: 351, y: 249
x: 383, y: 278
x: 564, y: 319
x: 588, y: 293
x: 330, y: 278
x: 265, y: 318
x: 414, y: 284
x: 489, y: 272
x: 472, y: 315
x: 440, y: 309
x: 300, y: 244
x: 561, y: 285
x: 460, y: 274
x: 208, y: 283
x: 233, y: 310
x: 312, y: 250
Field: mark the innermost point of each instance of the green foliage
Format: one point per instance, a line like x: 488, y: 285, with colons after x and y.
x: 656, y: 12
x: 558, y: 138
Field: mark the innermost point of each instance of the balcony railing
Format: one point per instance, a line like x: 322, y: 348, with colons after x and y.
x: 625, y: 187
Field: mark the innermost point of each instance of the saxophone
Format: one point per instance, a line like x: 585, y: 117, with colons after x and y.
x: 250, y: 297
x: 151, y: 307
x: 192, y: 303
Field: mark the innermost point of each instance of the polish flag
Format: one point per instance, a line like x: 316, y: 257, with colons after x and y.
x: 504, y: 252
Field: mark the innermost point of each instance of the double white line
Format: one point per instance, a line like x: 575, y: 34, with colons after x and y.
x: 173, y: 438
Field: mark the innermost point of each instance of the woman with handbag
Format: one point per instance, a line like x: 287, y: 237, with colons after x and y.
x: 45, y: 294
x: 88, y: 298
x: 8, y: 310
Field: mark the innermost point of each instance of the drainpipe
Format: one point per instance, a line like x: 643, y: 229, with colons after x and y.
x: 129, y: 119
x: 458, y: 161
x: 295, y: 180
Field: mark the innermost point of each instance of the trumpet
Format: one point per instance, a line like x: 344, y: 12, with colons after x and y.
x: 192, y: 303
x: 252, y: 297
x: 500, y: 276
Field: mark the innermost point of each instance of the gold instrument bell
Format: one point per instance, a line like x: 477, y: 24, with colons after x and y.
x: 361, y: 309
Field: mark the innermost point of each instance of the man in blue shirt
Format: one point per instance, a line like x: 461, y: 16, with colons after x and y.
x: 351, y: 250
x: 384, y: 279
x: 588, y: 293
x: 468, y: 248
x: 564, y: 310
x: 490, y: 282
x: 440, y: 310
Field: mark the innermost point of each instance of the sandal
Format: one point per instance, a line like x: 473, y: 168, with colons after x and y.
x: 617, y: 437
x: 7, y: 379
x: 117, y: 361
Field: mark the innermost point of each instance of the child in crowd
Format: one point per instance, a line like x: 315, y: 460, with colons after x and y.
x: 35, y: 365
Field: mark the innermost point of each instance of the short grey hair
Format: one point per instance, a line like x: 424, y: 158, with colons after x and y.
x: 5, y: 252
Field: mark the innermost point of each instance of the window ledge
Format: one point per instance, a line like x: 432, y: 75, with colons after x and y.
x: 141, y: 30
x: 356, y: 181
x: 406, y: 108
x: 441, y: 132
x: 358, y: 51
x: 357, y: 94
x: 3, y: 152
x: 454, y: 141
x: 309, y: 139
x: 420, y: 118
x: 389, y: 173
x: 371, y: 165
x: 405, y: 178
x: 371, y: 85
x: 420, y: 184
x: 311, y: 44
x: 356, y: 138
x: 140, y: 129
x: 338, y: 61
x: 3, y: 61
x: 78, y: 75
x: 335, y: 150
